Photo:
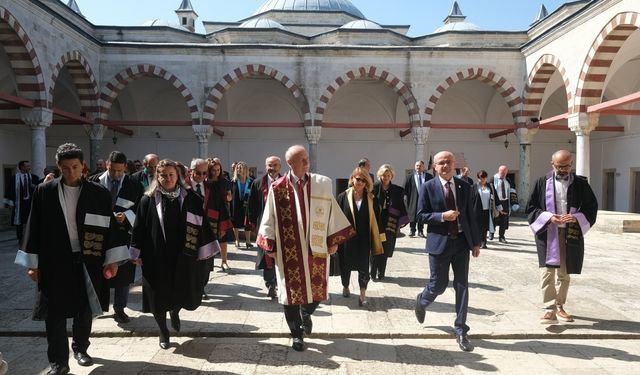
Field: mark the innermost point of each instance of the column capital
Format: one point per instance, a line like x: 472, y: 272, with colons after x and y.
x: 95, y: 131
x: 202, y: 132
x: 420, y: 134
x: 583, y: 123
x: 313, y: 134
x: 525, y: 135
x: 37, y: 116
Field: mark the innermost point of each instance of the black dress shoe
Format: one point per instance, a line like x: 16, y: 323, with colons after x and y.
x: 412, y: 233
x: 175, y: 320
x: 165, y: 345
x: 503, y: 240
x: 83, y: 359
x: 463, y: 343
x: 272, y: 292
x: 121, y: 317
x: 420, y: 234
x: 491, y: 236
x: 419, y: 310
x: 307, y: 324
x: 298, y: 344
x: 381, y: 278
x: 205, y: 296
x: 57, y: 369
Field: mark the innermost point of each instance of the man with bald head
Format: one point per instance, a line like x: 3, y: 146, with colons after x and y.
x: 145, y: 176
x: 446, y: 206
x: 503, y: 202
x: 561, y: 209
x: 301, y: 226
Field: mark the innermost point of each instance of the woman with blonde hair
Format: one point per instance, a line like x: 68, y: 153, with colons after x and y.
x: 240, y: 188
x: 171, y: 240
x: 393, y: 215
x: 361, y: 207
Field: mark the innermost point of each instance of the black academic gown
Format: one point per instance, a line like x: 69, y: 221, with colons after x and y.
x: 393, y: 216
x: 412, y: 194
x: 47, y: 240
x: 354, y: 254
x: 128, y: 198
x: 579, y: 196
x: 172, y: 277
x: 255, y: 208
x: 25, y: 205
x: 239, y: 205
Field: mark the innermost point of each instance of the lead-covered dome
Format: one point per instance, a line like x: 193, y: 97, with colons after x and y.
x: 361, y: 25
x: 262, y: 23
x: 311, y: 5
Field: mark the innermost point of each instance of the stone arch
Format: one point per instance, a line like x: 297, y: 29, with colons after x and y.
x: 401, y: 88
x: 228, y: 80
x: 506, y: 90
x: 23, y: 59
x: 537, y: 82
x: 83, y: 79
x: 600, y: 57
x: 111, y: 90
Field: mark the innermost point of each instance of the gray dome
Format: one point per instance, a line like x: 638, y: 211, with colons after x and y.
x: 160, y: 22
x: 311, y: 5
x: 458, y: 26
x: 361, y: 24
x: 262, y: 23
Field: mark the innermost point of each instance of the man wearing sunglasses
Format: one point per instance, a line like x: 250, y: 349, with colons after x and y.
x: 561, y: 209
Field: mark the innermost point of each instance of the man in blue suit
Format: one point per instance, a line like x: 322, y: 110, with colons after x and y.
x: 445, y: 205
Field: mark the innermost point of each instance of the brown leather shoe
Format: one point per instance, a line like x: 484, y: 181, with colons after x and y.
x: 549, y: 317
x: 564, y: 316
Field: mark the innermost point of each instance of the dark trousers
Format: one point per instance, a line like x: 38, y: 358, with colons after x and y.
x: 269, y: 276
x: 293, y: 315
x: 503, y: 220
x: 483, y: 225
x: 413, y: 224
x: 58, y: 350
x: 378, y: 265
x: 120, y: 297
x: 456, y: 254
x: 19, y: 231
x: 363, y: 276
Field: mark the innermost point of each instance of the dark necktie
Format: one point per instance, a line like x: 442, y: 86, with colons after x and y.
x: 419, y: 180
x: 451, y: 205
x: 504, y: 194
x: 562, y: 178
x: 303, y: 210
x: 24, y: 186
x: 199, y: 189
x: 115, y: 184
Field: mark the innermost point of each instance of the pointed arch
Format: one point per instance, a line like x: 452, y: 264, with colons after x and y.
x: 600, y: 57
x: 230, y: 79
x: 111, y: 90
x: 537, y: 82
x: 400, y: 88
x: 83, y: 79
x: 23, y: 59
x: 501, y: 84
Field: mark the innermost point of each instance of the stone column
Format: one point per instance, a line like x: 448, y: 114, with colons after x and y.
x: 96, y: 134
x: 525, y: 138
x: 38, y: 119
x: 313, y: 134
x: 420, y: 135
x: 202, y: 133
x: 583, y: 124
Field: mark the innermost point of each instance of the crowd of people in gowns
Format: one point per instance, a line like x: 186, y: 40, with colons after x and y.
x: 171, y: 220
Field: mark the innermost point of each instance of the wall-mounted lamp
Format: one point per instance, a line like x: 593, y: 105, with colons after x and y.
x: 506, y: 142
x: 115, y: 138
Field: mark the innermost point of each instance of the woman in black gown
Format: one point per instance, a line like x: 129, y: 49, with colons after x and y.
x: 171, y: 239
x: 361, y: 207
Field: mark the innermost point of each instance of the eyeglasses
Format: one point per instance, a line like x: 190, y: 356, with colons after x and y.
x: 565, y: 166
x: 443, y: 162
x: 360, y: 179
x: 197, y: 173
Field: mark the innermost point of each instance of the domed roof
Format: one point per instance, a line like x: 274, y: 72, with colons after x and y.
x: 361, y: 24
x: 311, y: 5
x: 458, y: 26
x: 262, y: 23
x: 160, y: 22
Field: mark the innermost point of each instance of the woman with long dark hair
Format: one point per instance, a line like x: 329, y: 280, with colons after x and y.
x: 240, y: 188
x: 486, y: 207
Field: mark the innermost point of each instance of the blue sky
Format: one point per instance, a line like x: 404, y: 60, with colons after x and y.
x: 424, y: 16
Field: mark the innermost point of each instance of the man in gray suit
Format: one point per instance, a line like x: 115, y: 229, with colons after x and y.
x: 446, y: 206
x: 411, y: 192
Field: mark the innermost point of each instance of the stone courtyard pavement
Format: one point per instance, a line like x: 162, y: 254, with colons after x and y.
x: 241, y: 331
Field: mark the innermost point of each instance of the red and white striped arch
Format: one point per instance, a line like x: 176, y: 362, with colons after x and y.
x: 382, y: 75
x: 233, y: 77
x: 82, y: 77
x: 111, y: 90
x: 23, y: 59
x: 537, y: 82
x: 600, y: 57
x: 506, y: 90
